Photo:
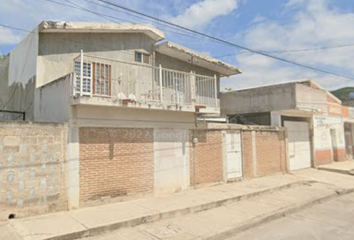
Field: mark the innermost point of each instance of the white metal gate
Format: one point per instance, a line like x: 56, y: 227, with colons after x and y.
x: 234, y: 155
x: 299, y: 145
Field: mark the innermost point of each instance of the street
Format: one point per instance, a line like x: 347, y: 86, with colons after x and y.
x: 328, y: 221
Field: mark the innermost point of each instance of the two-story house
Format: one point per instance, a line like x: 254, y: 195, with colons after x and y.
x: 130, y: 102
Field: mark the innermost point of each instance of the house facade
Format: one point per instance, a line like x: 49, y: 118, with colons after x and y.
x: 319, y: 128
x: 130, y: 102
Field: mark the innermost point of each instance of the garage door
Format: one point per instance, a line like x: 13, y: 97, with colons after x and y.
x: 234, y: 155
x: 299, y: 145
x: 171, y: 160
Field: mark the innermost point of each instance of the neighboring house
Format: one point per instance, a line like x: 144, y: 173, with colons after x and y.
x: 320, y: 129
x: 129, y: 102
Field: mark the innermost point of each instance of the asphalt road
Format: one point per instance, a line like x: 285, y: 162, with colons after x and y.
x: 328, y: 221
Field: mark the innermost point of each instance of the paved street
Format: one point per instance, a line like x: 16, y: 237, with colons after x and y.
x: 329, y: 221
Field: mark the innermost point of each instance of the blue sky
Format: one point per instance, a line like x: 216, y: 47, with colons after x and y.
x: 273, y: 25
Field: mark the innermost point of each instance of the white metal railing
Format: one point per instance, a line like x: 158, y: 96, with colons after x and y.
x: 96, y: 76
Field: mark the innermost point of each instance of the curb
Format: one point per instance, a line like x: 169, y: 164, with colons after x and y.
x: 277, y: 214
x: 170, y: 214
x: 346, y: 172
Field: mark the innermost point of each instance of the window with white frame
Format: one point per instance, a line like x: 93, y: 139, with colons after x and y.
x: 86, y: 78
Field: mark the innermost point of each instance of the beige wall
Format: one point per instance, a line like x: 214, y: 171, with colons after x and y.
x: 263, y: 99
x: 125, y: 117
x: 32, y: 168
x: 57, y: 51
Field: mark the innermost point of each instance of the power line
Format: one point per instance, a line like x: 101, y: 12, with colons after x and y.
x: 228, y: 43
x: 292, y: 50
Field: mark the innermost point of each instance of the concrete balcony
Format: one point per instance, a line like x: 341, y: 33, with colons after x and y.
x: 104, y: 82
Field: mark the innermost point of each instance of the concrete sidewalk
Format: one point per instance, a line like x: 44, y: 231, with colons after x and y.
x: 225, y: 221
x: 105, y: 218
x: 346, y: 167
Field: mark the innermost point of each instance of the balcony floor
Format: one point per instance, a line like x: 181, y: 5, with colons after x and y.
x: 109, y: 102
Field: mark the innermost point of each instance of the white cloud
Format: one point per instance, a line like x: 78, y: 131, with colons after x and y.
x: 313, y: 24
x: 200, y: 14
x: 8, y: 37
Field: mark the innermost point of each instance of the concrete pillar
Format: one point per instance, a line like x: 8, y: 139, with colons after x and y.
x: 275, y: 119
x: 73, y: 177
x: 193, y: 90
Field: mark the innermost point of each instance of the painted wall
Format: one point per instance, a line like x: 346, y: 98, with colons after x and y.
x: 32, y: 175
x: 171, y: 160
x: 265, y: 99
x: 329, y: 139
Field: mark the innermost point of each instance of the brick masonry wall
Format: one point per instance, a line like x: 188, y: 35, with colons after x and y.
x: 271, y: 156
x: 206, y: 159
x: 32, y: 170
x: 247, y: 155
x: 115, y: 162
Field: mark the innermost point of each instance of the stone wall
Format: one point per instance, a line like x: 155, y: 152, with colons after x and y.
x: 32, y: 168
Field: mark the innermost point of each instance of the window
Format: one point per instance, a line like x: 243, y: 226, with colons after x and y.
x: 102, y: 79
x: 86, y: 80
x: 142, y: 57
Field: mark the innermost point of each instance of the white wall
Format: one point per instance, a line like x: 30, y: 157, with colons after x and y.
x: 322, y: 132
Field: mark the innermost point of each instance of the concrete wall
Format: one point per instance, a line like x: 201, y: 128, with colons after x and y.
x: 52, y: 101
x: 265, y: 99
x: 329, y: 139
x: 132, y: 118
x: 18, y: 78
x: 308, y: 98
x: 176, y: 64
x: 32, y: 168
x: 57, y: 51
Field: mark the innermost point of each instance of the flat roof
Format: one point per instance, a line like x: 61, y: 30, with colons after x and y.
x: 88, y: 27
x: 199, y: 59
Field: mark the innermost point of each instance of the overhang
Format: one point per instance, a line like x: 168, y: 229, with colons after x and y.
x: 91, y: 27
x: 198, y: 59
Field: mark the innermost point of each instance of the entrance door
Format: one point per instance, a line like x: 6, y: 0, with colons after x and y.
x: 299, y: 145
x: 234, y: 155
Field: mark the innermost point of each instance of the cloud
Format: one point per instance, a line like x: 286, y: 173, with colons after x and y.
x: 200, y: 14
x: 8, y: 37
x: 309, y: 24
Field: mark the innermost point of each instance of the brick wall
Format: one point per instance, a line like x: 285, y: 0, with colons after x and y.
x: 32, y: 158
x: 206, y: 159
x: 115, y: 162
x: 247, y: 154
x: 271, y: 155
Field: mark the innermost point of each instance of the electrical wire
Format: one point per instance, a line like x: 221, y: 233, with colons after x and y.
x: 230, y: 43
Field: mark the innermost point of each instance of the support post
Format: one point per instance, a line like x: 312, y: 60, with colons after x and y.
x: 216, y: 91
x: 160, y: 80
x: 81, y: 71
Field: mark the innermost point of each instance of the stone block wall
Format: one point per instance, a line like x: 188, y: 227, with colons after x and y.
x: 32, y: 168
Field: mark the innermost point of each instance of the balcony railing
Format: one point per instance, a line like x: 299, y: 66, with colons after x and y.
x: 135, y: 82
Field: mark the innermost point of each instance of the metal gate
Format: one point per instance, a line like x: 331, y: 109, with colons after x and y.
x: 234, y: 155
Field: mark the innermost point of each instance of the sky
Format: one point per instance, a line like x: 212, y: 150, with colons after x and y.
x: 315, y: 33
